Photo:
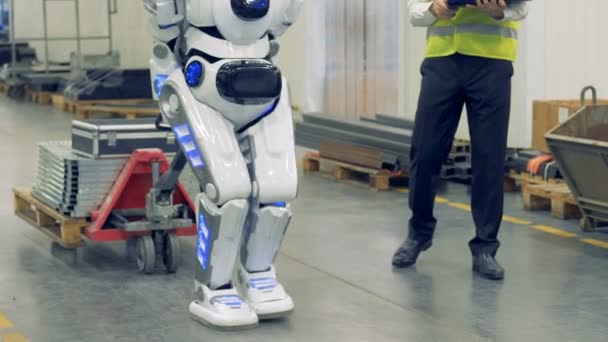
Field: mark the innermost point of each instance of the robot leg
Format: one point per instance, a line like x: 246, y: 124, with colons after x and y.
x: 269, y: 148
x: 209, y: 142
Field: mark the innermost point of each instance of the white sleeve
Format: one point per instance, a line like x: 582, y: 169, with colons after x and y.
x: 516, y: 12
x: 419, y: 12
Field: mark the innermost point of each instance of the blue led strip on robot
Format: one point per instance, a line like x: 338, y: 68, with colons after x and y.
x: 186, y: 140
x: 263, y: 283
x: 204, y: 239
x: 164, y: 27
x: 158, y: 83
x: 232, y: 301
x: 280, y: 204
x: 269, y: 110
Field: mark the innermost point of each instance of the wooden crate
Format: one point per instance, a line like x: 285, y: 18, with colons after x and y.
x: 378, y: 180
x: 64, y: 230
x: 554, y: 197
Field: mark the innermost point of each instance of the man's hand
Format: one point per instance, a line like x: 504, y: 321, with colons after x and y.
x: 440, y: 10
x: 495, y: 8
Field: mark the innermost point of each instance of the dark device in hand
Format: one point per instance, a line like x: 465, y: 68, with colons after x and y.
x: 460, y: 3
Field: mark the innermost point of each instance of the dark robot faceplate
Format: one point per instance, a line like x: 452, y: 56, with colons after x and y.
x: 249, y: 82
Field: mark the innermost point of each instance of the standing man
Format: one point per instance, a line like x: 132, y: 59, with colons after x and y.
x: 469, y: 61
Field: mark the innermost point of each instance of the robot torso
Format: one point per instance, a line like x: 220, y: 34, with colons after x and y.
x: 225, y: 50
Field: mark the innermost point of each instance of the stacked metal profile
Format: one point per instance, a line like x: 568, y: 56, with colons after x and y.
x: 456, y: 167
x: 71, y: 184
x: 385, y: 133
x: 389, y: 120
x: 394, y: 142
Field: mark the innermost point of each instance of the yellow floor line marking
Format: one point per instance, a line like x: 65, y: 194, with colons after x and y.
x: 460, y: 206
x: 5, y: 323
x: 596, y: 243
x: 13, y: 337
x: 515, y: 220
x: 402, y: 190
x: 554, y: 231
x: 441, y: 200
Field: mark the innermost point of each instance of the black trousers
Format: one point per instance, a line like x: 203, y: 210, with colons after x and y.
x: 449, y: 83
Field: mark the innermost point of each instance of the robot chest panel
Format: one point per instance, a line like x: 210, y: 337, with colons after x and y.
x: 210, y: 42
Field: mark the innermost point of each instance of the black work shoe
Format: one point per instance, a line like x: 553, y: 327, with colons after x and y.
x: 486, y: 266
x: 408, y: 253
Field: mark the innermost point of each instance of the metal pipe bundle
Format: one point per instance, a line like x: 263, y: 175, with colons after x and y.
x: 394, y: 142
x: 389, y: 120
x: 384, y: 133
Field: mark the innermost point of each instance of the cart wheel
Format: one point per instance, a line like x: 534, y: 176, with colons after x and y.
x: 146, y: 254
x: 172, y: 253
x: 588, y: 224
x: 67, y: 255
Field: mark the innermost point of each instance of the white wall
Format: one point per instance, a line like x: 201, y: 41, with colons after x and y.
x: 575, y: 47
x: 61, y: 16
x: 131, y: 35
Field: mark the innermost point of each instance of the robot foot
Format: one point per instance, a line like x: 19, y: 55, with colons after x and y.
x: 223, y: 310
x: 264, y: 294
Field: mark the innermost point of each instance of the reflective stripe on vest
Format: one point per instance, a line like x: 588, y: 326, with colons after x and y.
x: 474, y: 33
x: 442, y: 31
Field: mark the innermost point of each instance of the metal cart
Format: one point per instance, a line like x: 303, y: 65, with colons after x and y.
x: 580, y: 147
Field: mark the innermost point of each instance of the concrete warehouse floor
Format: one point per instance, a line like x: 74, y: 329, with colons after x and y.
x: 335, y: 263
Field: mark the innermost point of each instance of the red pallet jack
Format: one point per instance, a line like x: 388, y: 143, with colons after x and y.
x: 149, y: 204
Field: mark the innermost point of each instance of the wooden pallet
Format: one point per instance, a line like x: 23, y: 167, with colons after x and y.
x: 129, y: 112
x: 4, y: 88
x: 72, y: 105
x: 41, y: 97
x: 514, y: 180
x: 58, y: 101
x: 554, y: 197
x: 64, y: 230
x: 13, y: 90
x: 378, y: 180
x: 461, y: 146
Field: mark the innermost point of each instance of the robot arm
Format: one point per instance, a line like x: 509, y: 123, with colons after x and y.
x: 284, y: 15
x: 166, y: 18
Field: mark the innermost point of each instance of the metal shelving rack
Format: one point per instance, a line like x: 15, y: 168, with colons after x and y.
x: 112, y: 9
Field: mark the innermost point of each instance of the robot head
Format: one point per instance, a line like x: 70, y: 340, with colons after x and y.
x: 239, y: 21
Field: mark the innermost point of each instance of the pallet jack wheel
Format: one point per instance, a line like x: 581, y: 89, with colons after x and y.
x: 146, y: 254
x: 172, y: 253
x: 588, y: 224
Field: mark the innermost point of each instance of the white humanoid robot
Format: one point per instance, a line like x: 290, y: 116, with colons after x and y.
x: 214, y: 74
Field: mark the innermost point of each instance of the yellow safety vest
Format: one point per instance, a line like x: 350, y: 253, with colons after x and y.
x: 474, y: 33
